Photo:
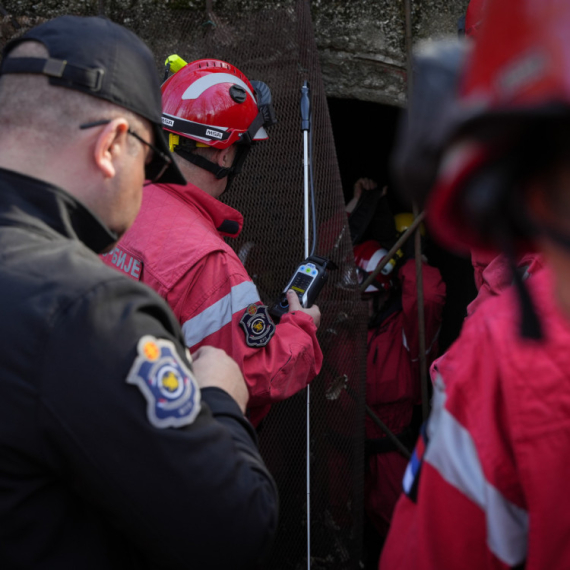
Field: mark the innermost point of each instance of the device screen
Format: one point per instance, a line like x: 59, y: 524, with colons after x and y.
x: 303, y: 278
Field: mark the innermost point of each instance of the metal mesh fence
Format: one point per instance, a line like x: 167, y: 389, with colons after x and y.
x: 277, y: 45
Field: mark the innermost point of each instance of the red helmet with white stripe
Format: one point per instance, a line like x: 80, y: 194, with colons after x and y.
x: 367, y: 256
x: 214, y: 104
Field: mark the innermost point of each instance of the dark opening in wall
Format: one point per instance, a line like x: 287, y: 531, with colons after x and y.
x: 364, y: 136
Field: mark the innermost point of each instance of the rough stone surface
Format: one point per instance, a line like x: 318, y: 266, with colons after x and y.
x: 362, y: 43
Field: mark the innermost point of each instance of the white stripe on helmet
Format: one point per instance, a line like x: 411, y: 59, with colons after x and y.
x: 207, y: 81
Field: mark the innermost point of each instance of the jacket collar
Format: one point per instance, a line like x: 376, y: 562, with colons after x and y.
x: 226, y: 220
x: 32, y: 202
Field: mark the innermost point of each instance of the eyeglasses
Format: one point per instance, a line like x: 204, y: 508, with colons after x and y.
x: 159, y: 161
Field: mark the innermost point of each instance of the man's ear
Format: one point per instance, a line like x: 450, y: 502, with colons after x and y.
x: 109, y: 145
x: 225, y: 157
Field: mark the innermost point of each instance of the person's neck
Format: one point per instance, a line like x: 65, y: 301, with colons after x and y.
x: 61, y: 169
x: 201, y: 178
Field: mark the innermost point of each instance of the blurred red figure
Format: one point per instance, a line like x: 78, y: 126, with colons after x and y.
x: 486, y: 487
x: 492, y: 272
x: 392, y: 370
x: 474, y: 17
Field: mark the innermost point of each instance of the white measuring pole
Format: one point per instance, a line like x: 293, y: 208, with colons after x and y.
x: 306, y: 206
x: 305, y: 127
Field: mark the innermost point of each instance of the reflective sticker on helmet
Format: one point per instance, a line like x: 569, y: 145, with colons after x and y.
x: 171, y: 392
x: 207, y: 81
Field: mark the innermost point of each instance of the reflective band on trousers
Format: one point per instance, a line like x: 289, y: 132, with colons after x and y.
x: 452, y: 452
x: 220, y: 313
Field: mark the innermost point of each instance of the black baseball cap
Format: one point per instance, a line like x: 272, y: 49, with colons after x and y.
x: 103, y: 59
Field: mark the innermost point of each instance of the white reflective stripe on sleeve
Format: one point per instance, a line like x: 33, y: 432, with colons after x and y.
x: 405, y: 340
x: 452, y: 452
x: 220, y: 313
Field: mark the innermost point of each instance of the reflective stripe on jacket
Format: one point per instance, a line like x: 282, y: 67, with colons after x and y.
x: 491, y: 488
x: 177, y: 238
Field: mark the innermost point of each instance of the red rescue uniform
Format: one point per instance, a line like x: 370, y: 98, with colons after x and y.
x: 176, y: 246
x: 393, y: 384
x: 493, y: 274
x: 490, y: 485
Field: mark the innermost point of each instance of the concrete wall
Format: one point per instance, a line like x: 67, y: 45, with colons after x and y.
x: 361, y: 42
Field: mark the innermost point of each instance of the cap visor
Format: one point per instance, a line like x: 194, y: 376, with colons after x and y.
x: 172, y: 174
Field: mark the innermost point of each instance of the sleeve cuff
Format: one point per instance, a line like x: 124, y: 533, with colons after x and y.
x: 225, y: 409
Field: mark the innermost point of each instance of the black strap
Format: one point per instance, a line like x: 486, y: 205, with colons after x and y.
x: 258, y: 122
x: 218, y: 171
x: 57, y: 68
x: 530, y: 323
x: 190, y: 128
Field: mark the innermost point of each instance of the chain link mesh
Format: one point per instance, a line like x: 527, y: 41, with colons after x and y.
x: 277, y: 46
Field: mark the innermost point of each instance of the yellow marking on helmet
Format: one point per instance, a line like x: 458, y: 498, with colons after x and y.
x: 173, y: 141
x: 176, y: 63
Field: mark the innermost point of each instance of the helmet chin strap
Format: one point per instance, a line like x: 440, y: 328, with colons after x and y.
x: 186, y: 152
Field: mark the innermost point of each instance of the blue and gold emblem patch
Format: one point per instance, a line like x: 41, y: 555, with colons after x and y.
x: 258, y: 325
x: 172, y: 395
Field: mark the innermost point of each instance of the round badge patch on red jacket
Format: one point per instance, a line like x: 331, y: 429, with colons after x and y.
x: 258, y: 325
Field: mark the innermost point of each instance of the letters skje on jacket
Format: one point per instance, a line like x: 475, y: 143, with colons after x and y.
x: 176, y: 247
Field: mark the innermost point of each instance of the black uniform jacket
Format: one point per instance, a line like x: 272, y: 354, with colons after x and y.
x: 86, y: 478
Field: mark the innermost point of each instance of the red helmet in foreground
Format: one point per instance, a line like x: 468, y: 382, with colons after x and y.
x: 516, y: 79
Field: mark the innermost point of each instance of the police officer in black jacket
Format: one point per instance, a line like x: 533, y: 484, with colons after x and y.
x: 113, y: 452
